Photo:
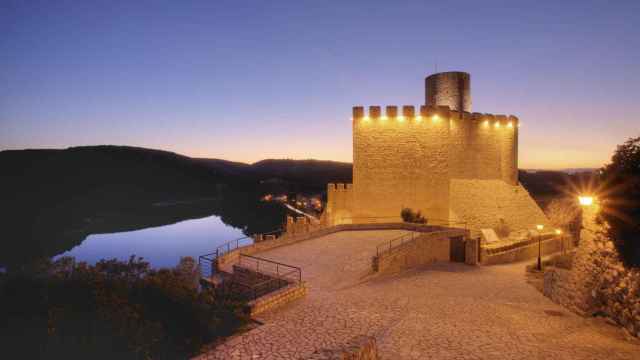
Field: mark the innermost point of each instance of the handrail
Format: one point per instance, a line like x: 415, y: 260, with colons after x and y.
x: 389, y: 244
x: 278, y: 278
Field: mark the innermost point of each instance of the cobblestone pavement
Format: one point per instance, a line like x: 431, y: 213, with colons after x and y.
x: 441, y: 311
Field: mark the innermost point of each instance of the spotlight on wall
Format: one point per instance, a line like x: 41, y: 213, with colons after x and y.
x: 539, y: 227
x: 435, y: 118
x: 418, y: 118
x: 558, y: 232
x: 486, y: 123
x: 365, y: 118
x: 510, y: 124
x: 585, y: 200
x: 383, y: 118
x: 497, y: 125
x: 400, y: 118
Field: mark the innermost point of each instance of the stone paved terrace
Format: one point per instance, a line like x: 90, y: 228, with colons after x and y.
x: 441, y: 311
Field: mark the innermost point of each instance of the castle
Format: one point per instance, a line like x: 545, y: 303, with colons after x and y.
x: 454, y: 166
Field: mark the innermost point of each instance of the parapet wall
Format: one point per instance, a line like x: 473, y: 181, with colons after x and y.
x: 340, y: 202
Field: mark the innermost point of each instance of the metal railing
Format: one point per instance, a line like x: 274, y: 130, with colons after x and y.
x: 270, y: 276
x: 395, y: 242
x: 415, y: 229
x: 533, y: 240
x: 207, y: 262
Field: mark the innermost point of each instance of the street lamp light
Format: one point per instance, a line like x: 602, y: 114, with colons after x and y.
x: 539, y: 227
x: 585, y: 200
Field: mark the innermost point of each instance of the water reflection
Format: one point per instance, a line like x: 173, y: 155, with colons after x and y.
x: 162, y: 246
x: 161, y: 233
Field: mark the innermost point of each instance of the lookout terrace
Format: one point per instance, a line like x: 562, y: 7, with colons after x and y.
x: 366, y: 282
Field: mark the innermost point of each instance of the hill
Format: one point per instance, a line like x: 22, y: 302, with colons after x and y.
x: 53, y: 199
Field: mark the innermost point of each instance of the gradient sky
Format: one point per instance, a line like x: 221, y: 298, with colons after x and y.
x: 248, y: 80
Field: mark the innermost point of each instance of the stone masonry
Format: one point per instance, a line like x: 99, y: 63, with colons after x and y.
x: 451, y: 165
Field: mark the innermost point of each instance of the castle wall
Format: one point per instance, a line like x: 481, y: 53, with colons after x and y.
x: 483, y: 203
x: 401, y: 161
x: 340, y: 204
x: 483, y: 146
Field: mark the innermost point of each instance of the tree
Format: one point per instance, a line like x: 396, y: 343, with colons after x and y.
x: 621, y: 203
x: 565, y: 214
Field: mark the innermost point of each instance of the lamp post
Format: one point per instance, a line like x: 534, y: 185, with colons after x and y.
x: 539, y: 227
x: 559, y: 233
x: 590, y: 208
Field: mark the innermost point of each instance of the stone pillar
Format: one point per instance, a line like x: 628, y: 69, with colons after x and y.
x: 472, y: 247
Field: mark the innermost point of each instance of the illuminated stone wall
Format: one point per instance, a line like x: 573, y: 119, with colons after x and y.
x: 483, y: 203
x: 450, y: 165
x: 401, y: 161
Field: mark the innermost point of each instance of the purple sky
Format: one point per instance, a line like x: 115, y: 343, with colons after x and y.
x: 247, y: 80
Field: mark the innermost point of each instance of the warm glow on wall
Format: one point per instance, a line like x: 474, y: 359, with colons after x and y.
x: 400, y: 118
x: 383, y: 118
x: 486, y: 123
x: 435, y: 118
x: 558, y: 232
x: 497, y: 125
x: 539, y: 227
x: 365, y: 119
x: 418, y: 118
x: 510, y: 124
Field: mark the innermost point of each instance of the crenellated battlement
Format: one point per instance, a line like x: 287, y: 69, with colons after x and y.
x: 417, y: 114
x: 339, y: 187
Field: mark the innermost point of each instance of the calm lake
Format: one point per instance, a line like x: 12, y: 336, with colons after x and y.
x: 161, y: 246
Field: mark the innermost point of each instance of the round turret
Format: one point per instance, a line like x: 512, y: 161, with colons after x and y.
x: 452, y: 89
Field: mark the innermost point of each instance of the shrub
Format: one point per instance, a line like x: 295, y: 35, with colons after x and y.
x: 112, y: 310
x: 410, y: 216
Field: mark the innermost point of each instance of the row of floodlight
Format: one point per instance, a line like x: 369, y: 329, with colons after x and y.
x: 434, y: 118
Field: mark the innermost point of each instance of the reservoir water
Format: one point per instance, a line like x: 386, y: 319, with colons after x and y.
x: 161, y: 246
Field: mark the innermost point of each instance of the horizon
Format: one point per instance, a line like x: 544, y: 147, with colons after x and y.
x: 251, y: 81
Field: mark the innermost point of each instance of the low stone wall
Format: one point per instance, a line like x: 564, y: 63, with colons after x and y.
x: 277, y: 298
x: 229, y: 258
x: 559, y: 287
x: 424, y: 249
x: 597, y: 283
x: 360, y: 348
x: 528, y: 250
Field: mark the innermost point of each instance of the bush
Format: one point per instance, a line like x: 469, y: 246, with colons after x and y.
x: 621, y: 201
x: 410, y: 216
x: 112, y: 310
x: 564, y: 213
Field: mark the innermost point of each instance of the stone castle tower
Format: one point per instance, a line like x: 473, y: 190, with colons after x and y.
x: 454, y: 166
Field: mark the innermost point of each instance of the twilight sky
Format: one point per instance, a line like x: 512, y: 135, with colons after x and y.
x: 248, y: 80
